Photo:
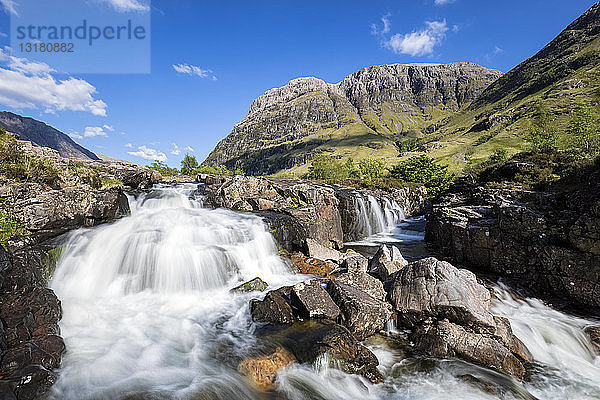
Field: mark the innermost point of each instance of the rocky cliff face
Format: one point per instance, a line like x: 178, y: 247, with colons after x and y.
x: 368, y: 109
x: 544, y: 241
x: 43, y: 135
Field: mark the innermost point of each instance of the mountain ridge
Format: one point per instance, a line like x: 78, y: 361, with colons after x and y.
x: 41, y: 134
x: 377, y: 103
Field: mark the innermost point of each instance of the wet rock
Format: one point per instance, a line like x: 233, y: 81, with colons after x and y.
x: 313, y: 301
x: 31, y: 383
x: 262, y: 371
x: 311, y: 339
x: 316, y: 250
x: 385, y: 262
x: 45, y: 351
x: 505, y: 335
x: 364, y: 282
x: 361, y: 313
x: 444, y: 339
x: 255, y: 285
x: 594, y: 333
x: 431, y: 288
x: 274, y: 308
x: 354, y: 262
x: 312, y: 266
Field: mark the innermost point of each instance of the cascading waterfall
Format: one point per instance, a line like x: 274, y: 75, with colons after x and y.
x: 147, y: 308
x: 148, y: 315
x: 372, y: 219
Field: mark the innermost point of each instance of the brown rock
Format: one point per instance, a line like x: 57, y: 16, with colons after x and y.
x: 313, y: 301
x: 262, y: 371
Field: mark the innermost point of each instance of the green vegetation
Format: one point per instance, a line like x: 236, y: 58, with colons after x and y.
x: 16, y: 165
x: 543, y: 133
x: 9, y: 228
x: 584, y: 129
x: 423, y: 170
x: 189, y: 164
x: 49, y: 262
x: 371, y: 169
x: 163, y: 168
x: 110, y: 183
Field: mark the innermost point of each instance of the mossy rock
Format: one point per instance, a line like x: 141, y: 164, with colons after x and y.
x: 255, y: 285
x: 49, y: 262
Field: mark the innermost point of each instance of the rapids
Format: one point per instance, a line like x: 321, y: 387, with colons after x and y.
x: 148, y: 315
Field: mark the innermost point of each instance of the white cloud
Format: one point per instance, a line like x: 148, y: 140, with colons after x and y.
x: 127, y: 5
x: 498, y: 50
x: 419, y: 43
x: 108, y: 128
x: 4, y: 35
x: 442, y: 2
x: 75, y: 135
x: 30, y: 84
x: 9, y: 6
x: 129, y: 145
x: 93, y: 131
x: 189, y: 148
x: 194, y: 70
x: 149, y: 154
x: 386, y: 26
x: 176, y: 150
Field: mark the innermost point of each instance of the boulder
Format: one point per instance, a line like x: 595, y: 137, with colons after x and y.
x: 311, y: 339
x: 354, y: 262
x: 364, y: 282
x: 431, y: 288
x: 274, y: 308
x: 312, y: 266
x: 444, y: 339
x: 262, y: 371
x: 313, y: 301
x: 255, y: 285
x: 385, y: 262
x: 361, y: 313
x: 594, y: 333
x: 318, y: 251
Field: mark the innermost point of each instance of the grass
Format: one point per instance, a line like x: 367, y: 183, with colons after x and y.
x: 9, y: 228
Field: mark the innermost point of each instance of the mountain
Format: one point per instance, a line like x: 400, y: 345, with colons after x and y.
x: 563, y: 73
x: 43, y: 135
x: 369, y: 113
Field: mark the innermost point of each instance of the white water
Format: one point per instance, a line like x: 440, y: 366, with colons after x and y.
x: 372, y: 219
x: 147, y: 308
x: 148, y: 315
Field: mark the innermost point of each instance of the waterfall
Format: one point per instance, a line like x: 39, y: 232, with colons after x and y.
x: 147, y: 308
x: 372, y: 219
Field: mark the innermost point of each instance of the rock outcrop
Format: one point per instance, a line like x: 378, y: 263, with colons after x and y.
x: 374, y: 104
x: 546, y: 242
x: 303, y: 215
x: 30, y: 344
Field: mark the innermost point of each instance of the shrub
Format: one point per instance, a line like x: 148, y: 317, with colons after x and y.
x: 16, y: 165
x: 423, y: 170
x: 327, y: 168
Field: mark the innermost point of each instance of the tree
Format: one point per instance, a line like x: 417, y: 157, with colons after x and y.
x: 423, y: 170
x: 370, y: 169
x: 543, y: 133
x: 584, y: 130
x: 189, y: 164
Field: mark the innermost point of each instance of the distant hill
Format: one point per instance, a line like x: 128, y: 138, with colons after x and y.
x: 369, y: 113
x: 43, y: 135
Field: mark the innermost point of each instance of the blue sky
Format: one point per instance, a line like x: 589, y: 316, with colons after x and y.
x: 209, y: 61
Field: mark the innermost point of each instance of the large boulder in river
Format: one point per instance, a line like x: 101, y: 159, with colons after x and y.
x: 445, y: 339
x: 448, y: 312
x: 385, y: 262
x: 353, y: 262
x: 365, y: 282
x: 262, y: 371
x: 361, y: 313
x: 317, y: 250
x: 431, y: 288
x: 311, y: 339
